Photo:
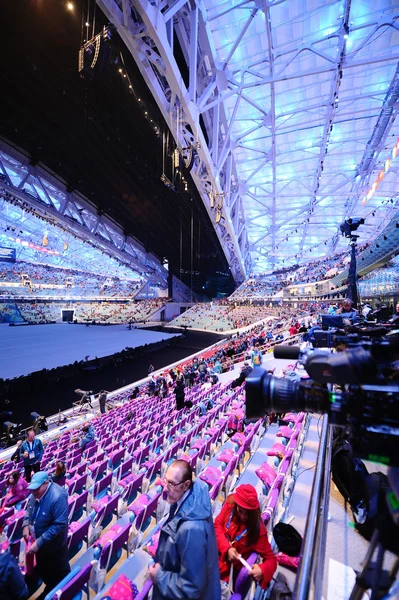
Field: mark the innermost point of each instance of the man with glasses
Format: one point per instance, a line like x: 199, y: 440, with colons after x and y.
x: 186, y: 562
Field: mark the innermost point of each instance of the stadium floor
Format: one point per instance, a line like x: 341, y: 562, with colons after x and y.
x: 27, y: 349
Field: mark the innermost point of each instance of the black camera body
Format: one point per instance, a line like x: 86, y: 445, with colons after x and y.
x: 367, y: 400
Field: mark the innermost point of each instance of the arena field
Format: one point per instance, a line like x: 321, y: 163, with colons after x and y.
x: 31, y: 348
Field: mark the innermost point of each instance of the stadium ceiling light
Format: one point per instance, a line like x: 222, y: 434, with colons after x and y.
x: 70, y: 6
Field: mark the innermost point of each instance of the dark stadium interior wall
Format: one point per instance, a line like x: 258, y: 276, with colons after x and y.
x: 94, y: 134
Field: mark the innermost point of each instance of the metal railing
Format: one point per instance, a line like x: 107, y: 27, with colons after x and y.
x: 309, y: 580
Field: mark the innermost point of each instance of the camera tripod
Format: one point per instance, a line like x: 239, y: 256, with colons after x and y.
x: 373, y: 577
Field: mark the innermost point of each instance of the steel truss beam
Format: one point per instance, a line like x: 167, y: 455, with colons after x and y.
x: 73, y: 213
x: 147, y: 35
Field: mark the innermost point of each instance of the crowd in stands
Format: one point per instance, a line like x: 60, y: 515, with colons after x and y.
x: 205, y: 316
x: 381, y: 281
x: 270, y: 284
x: 37, y: 280
x: 224, y: 316
x: 84, y: 312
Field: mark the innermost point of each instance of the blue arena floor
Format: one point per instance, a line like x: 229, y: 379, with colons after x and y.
x: 27, y: 349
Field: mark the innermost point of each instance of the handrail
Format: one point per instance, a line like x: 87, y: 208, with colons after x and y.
x: 307, y: 568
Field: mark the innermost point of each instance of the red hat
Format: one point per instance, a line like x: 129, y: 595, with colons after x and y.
x: 246, y: 497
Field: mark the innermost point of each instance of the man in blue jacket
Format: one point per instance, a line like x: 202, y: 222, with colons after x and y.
x: 32, y: 452
x: 12, y: 584
x: 89, y: 436
x: 47, y: 520
x: 186, y: 562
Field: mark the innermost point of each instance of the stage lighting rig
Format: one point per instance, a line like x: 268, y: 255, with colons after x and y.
x: 12, y: 432
x: 39, y: 423
x: 86, y: 398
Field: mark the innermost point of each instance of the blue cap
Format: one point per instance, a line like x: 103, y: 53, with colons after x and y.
x: 37, y: 480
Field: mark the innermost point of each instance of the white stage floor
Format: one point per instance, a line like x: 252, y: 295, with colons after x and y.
x: 30, y: 348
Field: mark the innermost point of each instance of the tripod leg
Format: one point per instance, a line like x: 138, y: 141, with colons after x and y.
x: 361, y: 584
x: 375, y: 588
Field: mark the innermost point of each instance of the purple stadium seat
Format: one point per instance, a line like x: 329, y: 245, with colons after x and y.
x: 116, y: 457
x: 76, y: 503
x: 14, y: 525
x: 3, y: 487
x: 111, y: 547
x: 76, y: 484
x: 123, y: 469
x: 77, y: 534
x: 79, y: 470
x: 153, y: 467
x: 101, y: 486
x: 141, y: 454
x: 143, y: 508
x: 6, y: 515
x: 243, y: 581
x: 103, y: 508
x: 98, y: 469
x: 131, y: 484
x: 285, y: 463
x: 90, y: 450
x: 72, y: 584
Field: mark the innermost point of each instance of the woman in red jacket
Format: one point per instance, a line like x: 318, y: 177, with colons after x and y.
x: 240, y: 531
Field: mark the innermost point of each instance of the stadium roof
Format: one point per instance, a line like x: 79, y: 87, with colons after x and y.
x: 284, y: 112
x: 294, y: 107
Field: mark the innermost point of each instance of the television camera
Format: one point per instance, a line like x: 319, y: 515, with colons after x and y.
x: 359, y: 387
x: 367, y: 397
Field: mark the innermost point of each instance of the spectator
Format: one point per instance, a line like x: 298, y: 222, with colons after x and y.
x: 186, y: 559
x: 179, y: 394
x: 256, y: 357
x: 239, y: 532
x: 89, y: 435
x: 102, y: 400
x: 17, y: 490
x: 12, y: 584
x: 395, y: 318
x: 151, y: 368
x: 32, y: 451
x: 47, y: 518
x: 16, y: 457
x: 59, y: 474
x: 245, y: 371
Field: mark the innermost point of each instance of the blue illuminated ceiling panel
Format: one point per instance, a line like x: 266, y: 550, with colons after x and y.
x: 298, y: 100
x: 312, y: 78
x: 47, y: 224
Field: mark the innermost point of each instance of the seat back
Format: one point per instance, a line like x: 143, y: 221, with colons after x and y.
x: 155, y: 467
x: 113, y: 546
x: 75, y: 585
x: 90, y: 450
x: 76, y: 503
x: 116, y: 457
x: 76, y: 484
x: 107, y: 509
x: 102, y: 485
x: 79, y: 534
x: 98, y: 469
x: 124, y: 469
